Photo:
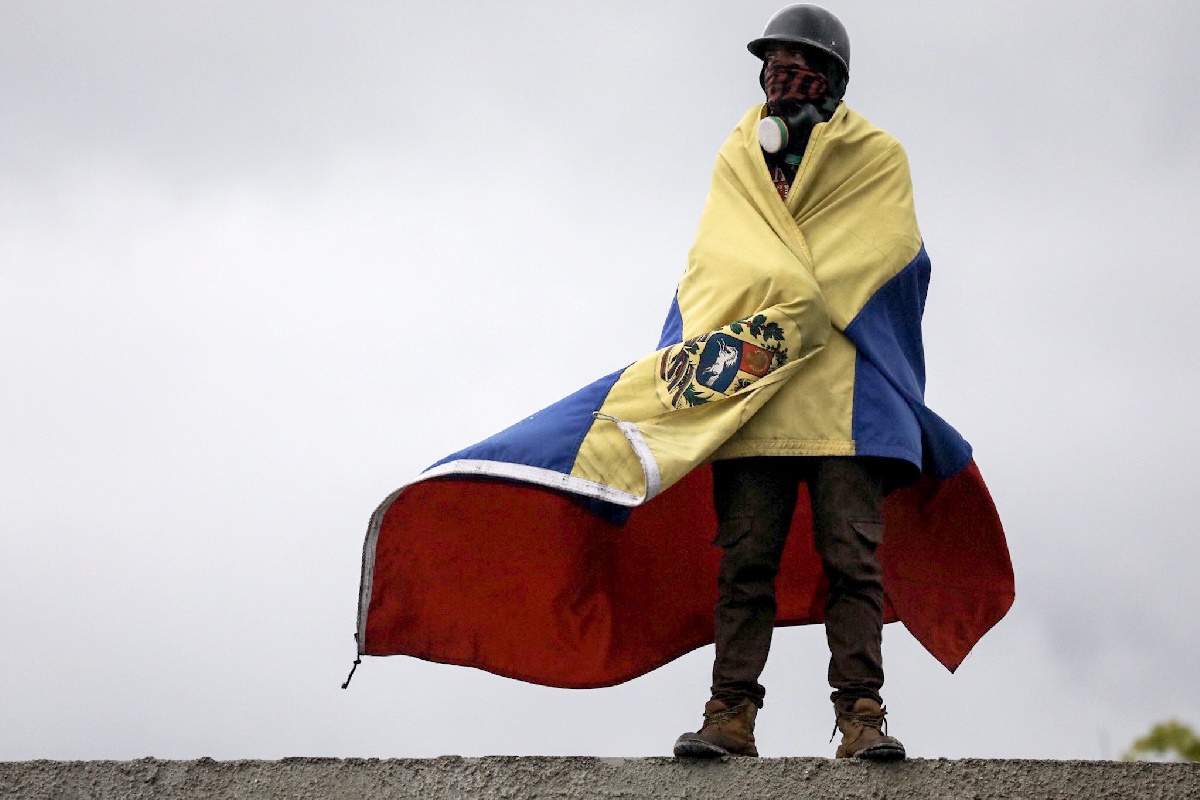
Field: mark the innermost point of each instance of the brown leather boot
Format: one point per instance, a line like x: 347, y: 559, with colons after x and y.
x: 727, y: 731
x: 863, y: 734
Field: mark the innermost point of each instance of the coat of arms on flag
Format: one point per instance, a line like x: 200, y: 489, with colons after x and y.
x: 722, y: 363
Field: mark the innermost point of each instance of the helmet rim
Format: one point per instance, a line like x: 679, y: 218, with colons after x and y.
x: 759, y: 46
x: 808, y: 26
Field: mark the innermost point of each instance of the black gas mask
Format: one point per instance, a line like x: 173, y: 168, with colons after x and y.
x: 788, y: 127
x: 801, y: 92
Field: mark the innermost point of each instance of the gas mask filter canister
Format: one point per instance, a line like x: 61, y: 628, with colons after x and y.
x: 787, y: 130
x: 772, y: 134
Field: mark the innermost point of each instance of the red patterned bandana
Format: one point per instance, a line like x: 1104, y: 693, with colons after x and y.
x: 791, y: 81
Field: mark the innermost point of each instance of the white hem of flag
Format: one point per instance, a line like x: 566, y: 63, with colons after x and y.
x: 539, y: 476
x: 553, y: 479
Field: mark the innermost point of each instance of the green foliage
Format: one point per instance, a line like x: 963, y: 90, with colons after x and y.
x: 780, y: 358
x: 1167, y: 740
x: 692, y: 397
x: 755, y: 324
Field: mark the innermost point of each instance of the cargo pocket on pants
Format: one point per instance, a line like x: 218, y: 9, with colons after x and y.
x: 870, y: 530
x: 732, y: 532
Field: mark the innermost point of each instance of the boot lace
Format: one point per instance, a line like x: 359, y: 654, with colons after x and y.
x: 876, y: 721
x: 724, y: 715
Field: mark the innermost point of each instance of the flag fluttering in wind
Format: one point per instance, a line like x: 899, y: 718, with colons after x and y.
x: 574, y: 549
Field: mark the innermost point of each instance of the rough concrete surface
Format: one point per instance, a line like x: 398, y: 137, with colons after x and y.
x: 525, y: 777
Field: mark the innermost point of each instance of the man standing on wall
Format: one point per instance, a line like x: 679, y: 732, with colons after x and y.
x: 806, y: 61
x: 573, y: 548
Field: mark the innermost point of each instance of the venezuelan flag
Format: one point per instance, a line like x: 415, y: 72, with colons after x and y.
x: 574, y: 548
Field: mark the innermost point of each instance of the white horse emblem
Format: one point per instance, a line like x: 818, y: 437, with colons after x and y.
x: 728, y: 356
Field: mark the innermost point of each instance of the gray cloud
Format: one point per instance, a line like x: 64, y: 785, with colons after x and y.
x: 259, y: 258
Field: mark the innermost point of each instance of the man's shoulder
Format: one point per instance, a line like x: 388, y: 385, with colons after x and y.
x: 856, y: 127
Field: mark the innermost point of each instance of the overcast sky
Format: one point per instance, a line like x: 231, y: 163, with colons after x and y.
x: 262, y: 262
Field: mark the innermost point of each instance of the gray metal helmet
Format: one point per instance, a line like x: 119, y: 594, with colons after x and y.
x: 806, y: 26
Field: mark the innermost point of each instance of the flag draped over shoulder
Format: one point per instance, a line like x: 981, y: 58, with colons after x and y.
x: 574, y: 548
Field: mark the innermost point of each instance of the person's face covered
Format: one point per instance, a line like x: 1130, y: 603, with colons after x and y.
x: 788, y: 77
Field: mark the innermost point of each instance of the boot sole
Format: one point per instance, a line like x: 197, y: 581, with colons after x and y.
x: 694, y: 747
x: 697, y: 748
x: 882, y: 752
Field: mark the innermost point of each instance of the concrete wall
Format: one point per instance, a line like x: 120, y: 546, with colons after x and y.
x: 512, y: 777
